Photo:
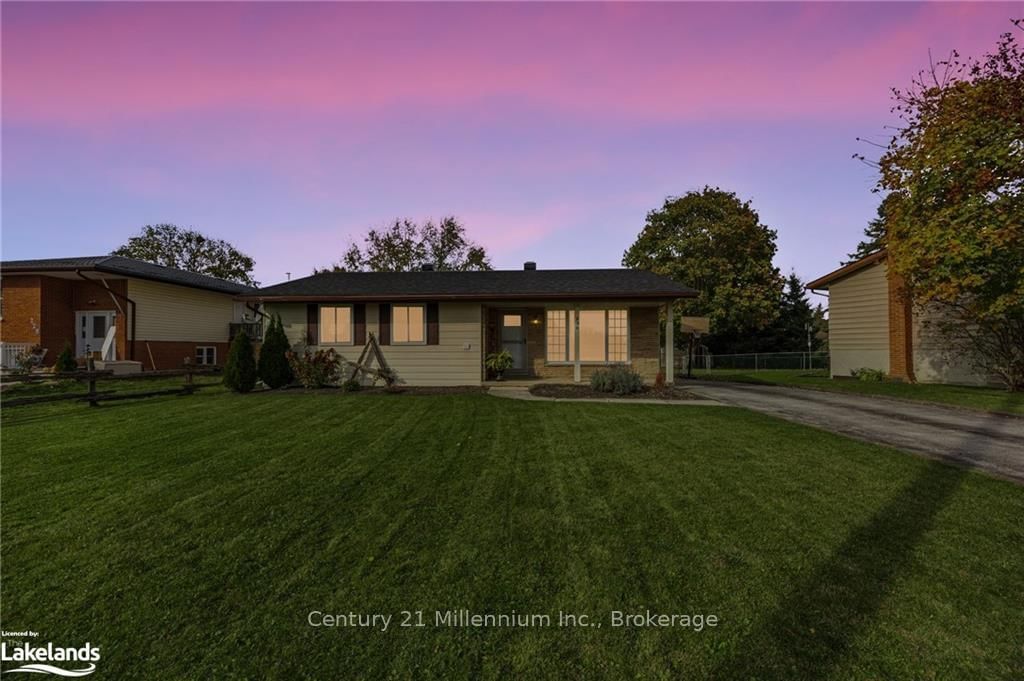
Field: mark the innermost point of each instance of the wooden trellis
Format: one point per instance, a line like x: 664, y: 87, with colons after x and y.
x: 371, y: 351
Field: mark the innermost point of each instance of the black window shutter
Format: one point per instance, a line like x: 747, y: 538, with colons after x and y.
x: 359, y: 319
x: 312, y: 324
x: 384, y: 325
x: 433, y: 330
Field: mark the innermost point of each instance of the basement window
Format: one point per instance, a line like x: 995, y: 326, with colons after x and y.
x: 206, y: 354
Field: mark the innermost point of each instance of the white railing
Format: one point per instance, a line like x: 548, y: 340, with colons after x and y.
x: 9, y: 353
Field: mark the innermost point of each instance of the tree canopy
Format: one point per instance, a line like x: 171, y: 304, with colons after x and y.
x: 187, y: 249
x: 955, y: 213
x: 714, y: 242
x: 406, y: 246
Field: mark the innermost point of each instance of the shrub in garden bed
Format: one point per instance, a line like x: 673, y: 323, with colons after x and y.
x: 274, y: 368
x: 316, y: 369
x: 618, y: 380
x: 240, y: 369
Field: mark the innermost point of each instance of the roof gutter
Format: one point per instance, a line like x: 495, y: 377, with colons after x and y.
x: 131, y: 309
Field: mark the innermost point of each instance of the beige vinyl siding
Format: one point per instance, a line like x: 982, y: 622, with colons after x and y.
x: 455, y: 360
x: 858, y: 321
x: 166, y: 312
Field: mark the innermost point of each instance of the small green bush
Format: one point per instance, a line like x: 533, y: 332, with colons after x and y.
x: 352, y: 385
x: 868, y: 375
x: 316, y: 369
x: 619, y: 380
x: 66, y: 360
x: 499, y: 362
x: 273, y: 366
x: 240, y: 369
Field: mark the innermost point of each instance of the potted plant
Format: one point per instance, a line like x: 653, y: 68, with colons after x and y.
x: 498, y: 363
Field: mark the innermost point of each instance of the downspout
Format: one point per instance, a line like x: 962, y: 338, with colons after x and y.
x: 131, y: 309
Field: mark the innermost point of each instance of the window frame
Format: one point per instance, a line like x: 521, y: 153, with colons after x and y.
x: 351, y: 326
x: 570, y: 321
x: 394, y: 316
x: 205, y: 349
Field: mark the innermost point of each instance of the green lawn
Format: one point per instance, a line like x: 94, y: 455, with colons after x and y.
x: 190, y: 537
x: 984, y: 399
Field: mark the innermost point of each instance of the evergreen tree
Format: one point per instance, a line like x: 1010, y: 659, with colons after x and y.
x: 240, y: 370
x: 874, y: 233
x: 66, y: 360
x: 274, y: 369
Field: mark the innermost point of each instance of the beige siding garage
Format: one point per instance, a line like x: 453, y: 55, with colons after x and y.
x: 858, y: 327
x: 167, y: 312
x: 455, y: 360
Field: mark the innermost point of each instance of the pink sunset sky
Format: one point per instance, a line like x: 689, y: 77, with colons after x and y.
x: 549, y: 130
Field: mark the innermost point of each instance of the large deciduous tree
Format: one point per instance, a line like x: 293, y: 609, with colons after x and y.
x: 406, y: 246
x: 714, y: 242
x: 955, y: 218
x: 187, y: 249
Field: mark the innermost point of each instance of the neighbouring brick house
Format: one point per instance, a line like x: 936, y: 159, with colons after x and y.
x: 159, y: 315
x: 872, y: 324
x: 437, y: 328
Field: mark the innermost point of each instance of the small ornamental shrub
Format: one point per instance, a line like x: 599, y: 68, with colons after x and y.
x: 352, y: 385
x: 27, y: 360
x: 499, y: 362
x: 240, y: 369
x: 274, y: 368
x: 868, y: 375
x: 316, y: 369
x: 618, y: 380
x: 66, y: 360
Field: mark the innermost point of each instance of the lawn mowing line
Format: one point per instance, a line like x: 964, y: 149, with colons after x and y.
x: 203, y: 461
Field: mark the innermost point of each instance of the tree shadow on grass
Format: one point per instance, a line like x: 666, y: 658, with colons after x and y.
x: 814, y: 625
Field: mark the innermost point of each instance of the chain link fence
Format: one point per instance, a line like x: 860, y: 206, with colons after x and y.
x: 758, y: 361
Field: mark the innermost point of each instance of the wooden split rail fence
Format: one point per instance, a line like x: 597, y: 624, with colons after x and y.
x: 94, y: 396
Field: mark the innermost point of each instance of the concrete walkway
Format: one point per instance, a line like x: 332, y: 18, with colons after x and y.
x: 522, y: 392
x: 990, y: 442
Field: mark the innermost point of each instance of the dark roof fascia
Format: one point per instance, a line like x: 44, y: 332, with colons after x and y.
x: 666, y: 296
x: 113, y: 270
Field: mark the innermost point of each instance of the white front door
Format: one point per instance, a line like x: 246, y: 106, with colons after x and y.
x: 92, y: 329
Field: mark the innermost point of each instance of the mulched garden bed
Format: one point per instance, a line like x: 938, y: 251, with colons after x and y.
x: 586, y: 392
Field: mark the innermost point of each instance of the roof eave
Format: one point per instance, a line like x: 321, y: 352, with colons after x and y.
x: 845, y: 271
x: 299, y: 298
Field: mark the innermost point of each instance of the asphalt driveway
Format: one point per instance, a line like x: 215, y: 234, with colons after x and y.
x: 989, y: 442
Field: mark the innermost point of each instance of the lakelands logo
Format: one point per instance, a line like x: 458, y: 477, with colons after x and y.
x: 38, y: 659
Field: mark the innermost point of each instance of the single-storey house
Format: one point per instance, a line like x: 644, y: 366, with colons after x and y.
x: 871, y: 324
x: 436, y: 328
x: 157, y: 316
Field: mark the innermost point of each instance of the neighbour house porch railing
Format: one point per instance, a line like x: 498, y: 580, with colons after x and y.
x: 9, y: 353
x: 254, y: 330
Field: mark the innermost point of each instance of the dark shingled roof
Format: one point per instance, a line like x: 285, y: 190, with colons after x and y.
x: 128, y: 267
x: 507, y: 284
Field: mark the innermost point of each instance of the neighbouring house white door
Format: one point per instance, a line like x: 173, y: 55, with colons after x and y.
x: 92, y: 328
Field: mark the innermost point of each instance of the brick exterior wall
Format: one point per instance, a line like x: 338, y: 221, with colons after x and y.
x: 41, y: 309
x: 22, y: 309
x: 644, y: 344
x: 901, y: 335
x: 172, y: 354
